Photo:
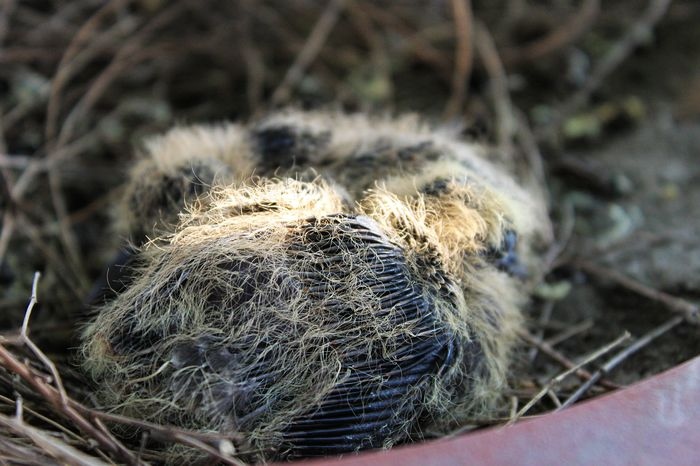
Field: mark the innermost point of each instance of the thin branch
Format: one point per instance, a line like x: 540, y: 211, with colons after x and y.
x: 55, y: 398
x: 618, y: 358
x: 52, y: 446
x: 563, y: 237
x: 24, y: 338
x: 131, y: 52
x: 8, y: 228
x: 414, y: 42
x: 498, y: 83
x: 57, y: 395
x: 14, y: 161
x: 163, y: 432
x: 80, y: 415
x: 567, y: 33
x: 38, y: 165
x: 690, y: 311
x: 125, y: 57
x: 68, y: 66
x: 558, y: 379
x: 252, y: 58
x: 570, y: 332
x: 52, y: 257
x: 528, y: 143
x: 312, y: 47
x: 58, y: 426
x: 8, y: 7
x: 637, y: 34
x: 567, y: 363
x: 546, y: 314
x: 30, y: 307
x: 464, y: 55
x: 555, y: 399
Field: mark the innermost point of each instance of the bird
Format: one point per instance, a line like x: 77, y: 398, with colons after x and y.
x: 320, y: 283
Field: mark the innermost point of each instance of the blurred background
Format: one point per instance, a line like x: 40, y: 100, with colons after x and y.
x: 599, y: 99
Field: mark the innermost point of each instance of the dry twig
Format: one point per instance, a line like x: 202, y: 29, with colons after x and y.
x: 637, y: 34
x: 559, y: 378
x: 618, y: 358
x: 56, y: 395
x: 254, y: 63
x: 498, y: 82
x: 528, y: 144
x: 66, y: 68
x: 57, y: 425
x: 8, y: 7
x: 54, y: 447
x: 567, y: 33
x: 308, y: 53
x: 555, y: 355
x: 412, y: 39
x: 690, y: 311
x: 546, y: 314
x: 570, y: 332
x: 68, y: 65
x: 8, y: 228
x: 86, y: 419
x: 464, y: 51
x: 90, y: 421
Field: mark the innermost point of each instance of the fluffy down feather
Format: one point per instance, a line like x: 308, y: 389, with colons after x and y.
x: 320, y: 283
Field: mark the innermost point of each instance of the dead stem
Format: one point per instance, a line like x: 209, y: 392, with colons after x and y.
x: 559, y: 378
x: 39, y: 165
x: 87, y: 420
x: 8, y: 7
x: 131, y: 52
x: 55, y: 395
x: 8, y: 228
x: 254, y: 62
x: 421, y: 48
x: 58, y: 426
x: 84, y: 418
x: 569, y: 32
x: 67, y: 67
x: 498, y: 84
x: 563, y: 360
x: 570, y: 332
x: 24, y: 339
x: 690, y: 311
x: 528, y: 144
x: 543, y: 320
x: 53, y: 447
x: 635, y: 35
x: 14, y: 161
x: 620, y: 357
x: 312, y: 47
x: 464, y: 56
x: 52, y: 257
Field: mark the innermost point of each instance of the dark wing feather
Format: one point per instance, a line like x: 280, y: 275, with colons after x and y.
x: 380, y: 399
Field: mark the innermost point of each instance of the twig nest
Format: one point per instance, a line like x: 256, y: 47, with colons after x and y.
x: 363, y: 292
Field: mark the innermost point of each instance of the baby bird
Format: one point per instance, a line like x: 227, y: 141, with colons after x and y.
x: 320, y: 283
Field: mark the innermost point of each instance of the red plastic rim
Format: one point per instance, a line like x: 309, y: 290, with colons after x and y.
x: 654, y: 422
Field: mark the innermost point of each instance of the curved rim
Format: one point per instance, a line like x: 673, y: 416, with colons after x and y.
x: 655, y: 421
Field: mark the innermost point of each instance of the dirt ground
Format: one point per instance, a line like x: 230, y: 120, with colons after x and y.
x: 605, y: 98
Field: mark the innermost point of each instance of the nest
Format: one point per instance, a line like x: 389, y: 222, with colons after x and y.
x: 84, y: 81
x: 315, y: 317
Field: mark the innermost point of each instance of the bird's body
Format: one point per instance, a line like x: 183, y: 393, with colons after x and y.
x: 332, y: 283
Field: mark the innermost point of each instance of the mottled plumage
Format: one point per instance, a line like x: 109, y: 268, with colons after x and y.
x: 321, y: 283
